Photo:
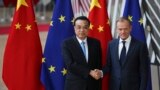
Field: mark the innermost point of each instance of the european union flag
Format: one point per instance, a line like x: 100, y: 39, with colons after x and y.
x: 53, y: 70
x: 133, y: 12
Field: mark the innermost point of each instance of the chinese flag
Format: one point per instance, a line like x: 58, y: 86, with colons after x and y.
x: 13, y: 2
x: 100, y: 29
x: 9, y: 2
x: 23, y: 52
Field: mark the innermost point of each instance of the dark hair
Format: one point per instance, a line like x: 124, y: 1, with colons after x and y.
x: 81, y: 18
x: 122, y: 19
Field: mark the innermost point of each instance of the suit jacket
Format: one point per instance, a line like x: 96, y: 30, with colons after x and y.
x: 78, y: 77
x: 133, y: 73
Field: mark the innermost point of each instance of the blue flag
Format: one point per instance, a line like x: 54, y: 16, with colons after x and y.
x: 133, y: 12
x: 53, y: 69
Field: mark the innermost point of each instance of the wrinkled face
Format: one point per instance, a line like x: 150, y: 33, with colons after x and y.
x: 81, y: 29
x: 123, y: 29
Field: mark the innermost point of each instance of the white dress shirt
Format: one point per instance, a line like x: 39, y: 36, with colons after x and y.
x: 86, y: 46
x: 120, y: 46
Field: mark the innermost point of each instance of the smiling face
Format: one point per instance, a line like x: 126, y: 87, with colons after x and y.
x: 123, y: 28
x: 81, y: 29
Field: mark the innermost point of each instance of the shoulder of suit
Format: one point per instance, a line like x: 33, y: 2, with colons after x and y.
x: 69, y: 39
x: 137, y: 41
x: 113, y: 41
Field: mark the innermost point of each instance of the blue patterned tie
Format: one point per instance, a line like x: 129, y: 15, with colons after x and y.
x: 123, y: 53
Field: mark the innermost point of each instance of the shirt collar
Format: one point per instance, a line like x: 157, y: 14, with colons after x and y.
x: 80, y: 41
x: 127, y: 40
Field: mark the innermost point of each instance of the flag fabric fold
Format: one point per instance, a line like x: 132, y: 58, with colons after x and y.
x: 23, y: 52
x: 61, y: 26
x: 100, y: 29
x: 133, y: 12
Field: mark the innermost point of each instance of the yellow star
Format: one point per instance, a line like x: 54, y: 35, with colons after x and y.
x: 51, y: 23
x: 64, y: 71
x: 21, y: 2
x: 18, y: 26
x: 28, y: 27
x: 43, y: 60
x: 141, y: 21
x: 100, y: 29
x: 51, y: 69
x: 91, y: 26
x: 62, y: 18
x: 130, y: 18
x: 94, y: 3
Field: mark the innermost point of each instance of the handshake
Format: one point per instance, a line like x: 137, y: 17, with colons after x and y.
x: 96, y: 74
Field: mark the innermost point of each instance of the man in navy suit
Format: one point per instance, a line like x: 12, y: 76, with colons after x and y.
x: 127, y: 60
x: 82, y: 54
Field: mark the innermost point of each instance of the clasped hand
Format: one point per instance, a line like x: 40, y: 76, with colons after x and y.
x: 96, y: 74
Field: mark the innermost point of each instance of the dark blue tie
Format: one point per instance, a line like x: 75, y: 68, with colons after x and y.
x: 123, y: 53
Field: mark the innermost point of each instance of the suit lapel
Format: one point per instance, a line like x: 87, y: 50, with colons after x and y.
x: 90, y: 48
x: 116, y: 50
x: 79, y: 49
x: 130, y: 50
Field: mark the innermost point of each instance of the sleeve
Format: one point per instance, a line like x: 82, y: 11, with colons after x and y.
x: 144, y: 66
x: 106, y: 68
x: 99, y: 55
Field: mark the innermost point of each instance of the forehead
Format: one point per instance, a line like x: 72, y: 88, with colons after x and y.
x: 81, y: 22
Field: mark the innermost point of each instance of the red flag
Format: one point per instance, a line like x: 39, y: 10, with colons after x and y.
x: 23, y: 52
x: 100, y: 29
x: 9, y: 2
x: 13, y: 2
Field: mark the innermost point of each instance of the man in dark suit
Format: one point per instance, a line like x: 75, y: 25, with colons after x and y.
x: 127, y: 60
x: 81, y: 60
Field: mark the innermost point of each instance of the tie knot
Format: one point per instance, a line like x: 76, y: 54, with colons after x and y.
x: 123, y: 42
x: 83, y: 42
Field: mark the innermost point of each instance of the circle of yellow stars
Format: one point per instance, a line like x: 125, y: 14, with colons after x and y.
x: 130, y: 18
x: 53, y: 68
x: 61, y: 19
